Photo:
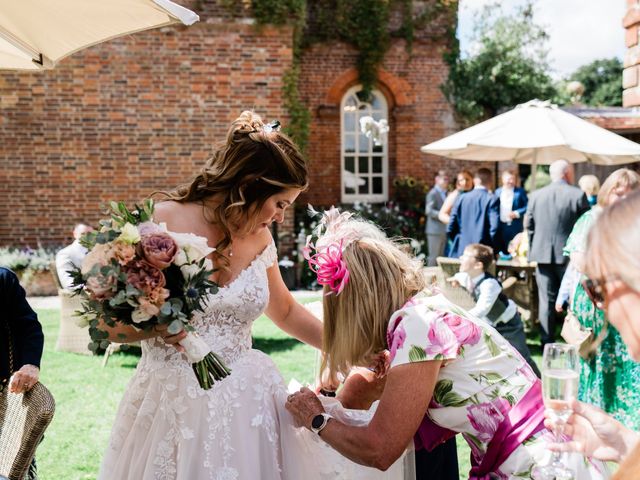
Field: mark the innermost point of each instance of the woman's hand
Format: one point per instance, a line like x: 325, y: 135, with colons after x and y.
x: 24, y: 379
x: 168, y: 338
x: 594, y: 434
x: 304, y: 405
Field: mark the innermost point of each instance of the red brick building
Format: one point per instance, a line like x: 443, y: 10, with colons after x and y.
x: 140, y: 113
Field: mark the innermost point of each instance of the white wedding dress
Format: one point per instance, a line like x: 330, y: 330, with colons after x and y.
x: 168, y: 428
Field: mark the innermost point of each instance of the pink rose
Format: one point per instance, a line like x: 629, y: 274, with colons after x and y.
x: 144, y: 276
x: 466, y: 332
x: 100, y: 254
x: 101, y: 287
x: 159, y: 249
x: 486, y: 417
x: 442, y: 341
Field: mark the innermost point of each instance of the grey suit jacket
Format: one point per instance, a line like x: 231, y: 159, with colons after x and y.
x: 550, y: 216
x: 433, y: 205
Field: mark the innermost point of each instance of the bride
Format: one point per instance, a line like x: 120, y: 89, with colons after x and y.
x: 167, y: 427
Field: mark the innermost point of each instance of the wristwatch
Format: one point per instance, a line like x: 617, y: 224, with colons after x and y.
x: 319, y: 422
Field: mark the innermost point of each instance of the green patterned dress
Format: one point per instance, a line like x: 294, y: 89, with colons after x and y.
x: 610, y: 378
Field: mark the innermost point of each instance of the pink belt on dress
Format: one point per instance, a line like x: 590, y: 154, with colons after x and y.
x: 523, y: 420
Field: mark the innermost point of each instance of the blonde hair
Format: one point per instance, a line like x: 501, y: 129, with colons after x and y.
x: 589, y: 184
x: 613, y: 243
x: 623, y: 177
x: 253, y: 164
x: 382, y: 277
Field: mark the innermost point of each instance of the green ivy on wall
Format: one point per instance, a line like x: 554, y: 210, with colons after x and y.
x: 361, y: 23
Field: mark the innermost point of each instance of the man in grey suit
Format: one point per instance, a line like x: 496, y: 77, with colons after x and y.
x: 550, y: 216
x: 436, y: 230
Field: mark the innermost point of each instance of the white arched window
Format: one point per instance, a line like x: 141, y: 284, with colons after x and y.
x: 364, y: 161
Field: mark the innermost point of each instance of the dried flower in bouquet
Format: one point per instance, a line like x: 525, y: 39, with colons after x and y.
x: 140, y: 274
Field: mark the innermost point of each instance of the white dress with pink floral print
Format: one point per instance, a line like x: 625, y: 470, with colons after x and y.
x: 481, y: 379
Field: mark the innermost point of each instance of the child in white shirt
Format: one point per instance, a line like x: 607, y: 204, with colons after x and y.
x: 492, y: 306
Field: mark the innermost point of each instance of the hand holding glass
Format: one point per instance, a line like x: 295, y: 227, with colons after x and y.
x: 560, y: 368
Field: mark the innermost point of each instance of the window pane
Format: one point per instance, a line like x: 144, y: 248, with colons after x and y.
x: 364, y: 188
x: 377, y: 148
x: 349, y: 189
x: 350, y: 121
x: 349, y: 143
x: 363, y: 143
x: 350, y: 164
x: 377, y: 185
x: 351, y: 102
x: 377, y: 164
x: 363, y: 164
x: 376, y: 103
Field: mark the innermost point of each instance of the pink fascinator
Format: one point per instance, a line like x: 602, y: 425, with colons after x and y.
x: 330, y: 268
x: 335, y: 231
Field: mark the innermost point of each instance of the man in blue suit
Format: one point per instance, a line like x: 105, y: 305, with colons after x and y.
x: 513, y: 206
x: 475, y: 215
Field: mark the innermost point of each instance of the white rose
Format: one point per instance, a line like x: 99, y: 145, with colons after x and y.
x: 208, y: 264
x: 129, y: 234
x: 194, y: 246
x: 189, y: 270
x: 139, y: 315
x: 180, y: 258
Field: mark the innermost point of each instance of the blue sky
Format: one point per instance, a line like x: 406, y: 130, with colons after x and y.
x: 580, y: 30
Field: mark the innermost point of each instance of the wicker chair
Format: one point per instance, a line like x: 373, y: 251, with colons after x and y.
x: 458, y: 295
x: 71, y: 337
x: 23, y: 420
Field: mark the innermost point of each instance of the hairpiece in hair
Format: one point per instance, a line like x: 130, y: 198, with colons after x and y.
x: 271, y: 127
x: 330, y: 268
x: 332, y: 235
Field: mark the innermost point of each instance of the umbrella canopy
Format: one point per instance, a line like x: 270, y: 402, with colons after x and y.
x: 537, y: 132
x: 36, y: 34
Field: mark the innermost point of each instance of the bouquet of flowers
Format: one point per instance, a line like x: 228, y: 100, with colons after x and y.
x: 137, y: 273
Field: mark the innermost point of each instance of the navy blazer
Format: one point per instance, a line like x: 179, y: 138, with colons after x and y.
x: 474, y: 219
x: 519, y: 205
x: 26, y: 331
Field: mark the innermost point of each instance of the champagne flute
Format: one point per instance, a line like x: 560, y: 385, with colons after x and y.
x: 560, y: 373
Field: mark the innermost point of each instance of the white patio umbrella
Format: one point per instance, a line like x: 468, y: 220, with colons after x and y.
x: 36, y: 34
x: 537, y: 132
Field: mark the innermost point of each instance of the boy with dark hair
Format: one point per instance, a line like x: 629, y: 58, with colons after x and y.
x: 492, y: 306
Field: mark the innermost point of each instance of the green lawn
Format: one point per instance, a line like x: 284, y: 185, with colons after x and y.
x: 87, y: 397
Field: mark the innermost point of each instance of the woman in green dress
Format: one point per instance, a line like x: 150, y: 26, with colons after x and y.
x: 610, y: 378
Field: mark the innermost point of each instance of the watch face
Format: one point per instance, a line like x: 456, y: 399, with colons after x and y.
x: 317, y: 421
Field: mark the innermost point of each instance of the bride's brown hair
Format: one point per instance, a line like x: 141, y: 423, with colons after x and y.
x: 254, y: 163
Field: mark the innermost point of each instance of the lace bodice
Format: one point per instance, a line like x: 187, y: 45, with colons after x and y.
x: 227, y: 319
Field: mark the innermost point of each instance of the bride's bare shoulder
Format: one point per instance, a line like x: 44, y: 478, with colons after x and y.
x: 177, y: 215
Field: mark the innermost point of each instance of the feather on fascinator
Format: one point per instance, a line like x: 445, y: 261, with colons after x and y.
x: 335, y: 232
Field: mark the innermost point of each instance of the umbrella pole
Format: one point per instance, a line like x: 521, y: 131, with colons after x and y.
x: 534, y: 169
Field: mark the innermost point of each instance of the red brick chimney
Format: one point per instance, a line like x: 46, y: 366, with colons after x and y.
x: 631, y: 72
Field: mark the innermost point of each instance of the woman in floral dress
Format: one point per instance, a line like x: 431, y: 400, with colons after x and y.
x: 610, y: 378
x: 447, y: 371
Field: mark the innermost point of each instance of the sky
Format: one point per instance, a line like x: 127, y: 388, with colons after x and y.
x: 580, y: 30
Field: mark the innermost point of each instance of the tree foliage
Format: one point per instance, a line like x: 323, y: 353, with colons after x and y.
x: 602, y: 81
x: 507, y: 66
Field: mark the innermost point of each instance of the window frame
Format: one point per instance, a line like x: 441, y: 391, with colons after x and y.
x: 377, y: 114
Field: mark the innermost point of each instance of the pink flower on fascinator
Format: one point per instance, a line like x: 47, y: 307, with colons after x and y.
x: 330, y: 267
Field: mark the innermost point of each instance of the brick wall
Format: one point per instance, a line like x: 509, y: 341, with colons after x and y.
x: 125, y: 118
x: 138, y: 114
